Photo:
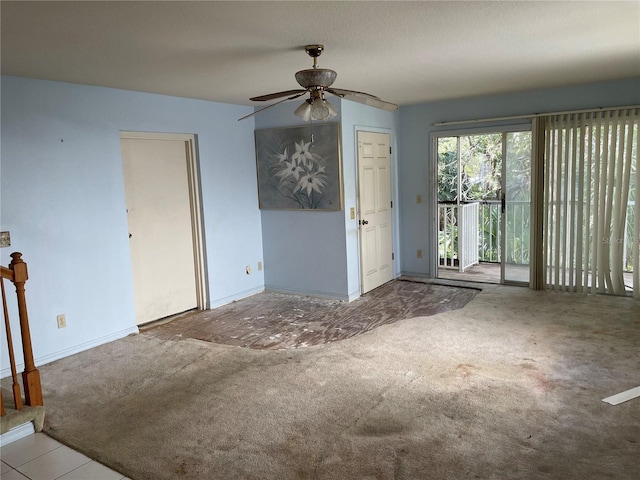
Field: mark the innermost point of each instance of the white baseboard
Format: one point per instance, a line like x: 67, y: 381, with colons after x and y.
x: 5, y: 372
x: 232, y: 298
x: 414, y: 274
x: 17, y: 433
x: 354, y: 296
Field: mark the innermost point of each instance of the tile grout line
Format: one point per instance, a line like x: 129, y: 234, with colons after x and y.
x: 34, y: 458
x: 89, y: 460
x: 79, y: 466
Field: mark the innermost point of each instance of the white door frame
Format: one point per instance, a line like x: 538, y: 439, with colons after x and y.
x: 195, y: 204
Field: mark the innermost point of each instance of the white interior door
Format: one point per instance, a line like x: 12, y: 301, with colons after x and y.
x: 374, y: 174
x: 156, y: 179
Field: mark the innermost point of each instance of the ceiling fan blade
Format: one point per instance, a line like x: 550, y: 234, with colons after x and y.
x: 293, y: 97
x: 365, y: 98
x: 273, y: 96
x: 341, y: 92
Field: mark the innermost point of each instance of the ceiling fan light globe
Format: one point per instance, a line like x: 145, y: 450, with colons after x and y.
x: 319, y: 110
x: 332, y: 110
x: 303, y: 111
x: 322, y: 109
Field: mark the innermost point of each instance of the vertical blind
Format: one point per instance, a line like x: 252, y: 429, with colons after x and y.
x: 591, y: 217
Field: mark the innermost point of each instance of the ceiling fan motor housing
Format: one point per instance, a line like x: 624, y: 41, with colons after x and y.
x: 316, y: 77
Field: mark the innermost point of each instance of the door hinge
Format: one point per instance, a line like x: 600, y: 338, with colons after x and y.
x: 389, y: 150
x: 393, y: 256
x: 391, y: 203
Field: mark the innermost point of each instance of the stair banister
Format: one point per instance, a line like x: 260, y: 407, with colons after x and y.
x: 17, y: 397
x: 17, y: 273
x: 30, y: 375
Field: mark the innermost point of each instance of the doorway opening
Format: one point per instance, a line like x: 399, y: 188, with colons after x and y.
x: 484, y: 207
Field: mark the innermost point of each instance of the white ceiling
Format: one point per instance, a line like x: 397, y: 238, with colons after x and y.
x: 403, y: 52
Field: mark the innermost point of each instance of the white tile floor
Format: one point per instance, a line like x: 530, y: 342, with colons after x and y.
x: 39, y: 457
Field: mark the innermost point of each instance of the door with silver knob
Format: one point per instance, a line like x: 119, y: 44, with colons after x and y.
x: 374, y: 199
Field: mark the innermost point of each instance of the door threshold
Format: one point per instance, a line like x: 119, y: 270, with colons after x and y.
x: 444, y: 282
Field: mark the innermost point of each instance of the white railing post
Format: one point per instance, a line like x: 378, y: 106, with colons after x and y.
x: 468, y: 236
x: 447, y: 235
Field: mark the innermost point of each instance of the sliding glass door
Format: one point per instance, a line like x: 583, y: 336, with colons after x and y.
x: 516, y: 206
x: 483, y: 205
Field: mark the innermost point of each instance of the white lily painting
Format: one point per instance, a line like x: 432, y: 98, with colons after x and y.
x: 299, y: 167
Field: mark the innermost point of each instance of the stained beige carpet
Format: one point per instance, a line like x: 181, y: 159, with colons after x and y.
x: 508, y: 387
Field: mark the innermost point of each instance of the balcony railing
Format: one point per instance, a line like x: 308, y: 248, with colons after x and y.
x: 517, y: 225
x: 458, y: 251
x: 458, y: 234
x: 454, y: 235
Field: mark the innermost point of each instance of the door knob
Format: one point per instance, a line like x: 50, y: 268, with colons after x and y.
x: 364, y: 222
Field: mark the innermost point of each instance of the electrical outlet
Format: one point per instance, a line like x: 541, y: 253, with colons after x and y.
x: 259, y: 266
x: 248, y: 270
x: 62, y: 321
x: 419, y: 253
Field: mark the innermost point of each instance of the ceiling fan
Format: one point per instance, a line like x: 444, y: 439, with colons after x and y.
x: 316, y: 81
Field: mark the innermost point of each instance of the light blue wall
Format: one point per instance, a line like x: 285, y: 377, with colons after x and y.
x: 304, y: 251
x: 63, y: 201
x: 316, y: 253
x: 416, y: 167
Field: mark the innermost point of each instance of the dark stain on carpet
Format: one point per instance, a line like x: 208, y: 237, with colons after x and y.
x: 274, y: 321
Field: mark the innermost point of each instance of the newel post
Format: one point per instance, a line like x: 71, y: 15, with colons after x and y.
x: 31, y: 375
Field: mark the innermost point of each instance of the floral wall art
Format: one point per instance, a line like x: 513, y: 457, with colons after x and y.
x: 299, y: 167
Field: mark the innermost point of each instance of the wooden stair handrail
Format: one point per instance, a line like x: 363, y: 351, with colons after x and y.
x: 6, y: 273
x: 17, y: 273
x: 17, y: 396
